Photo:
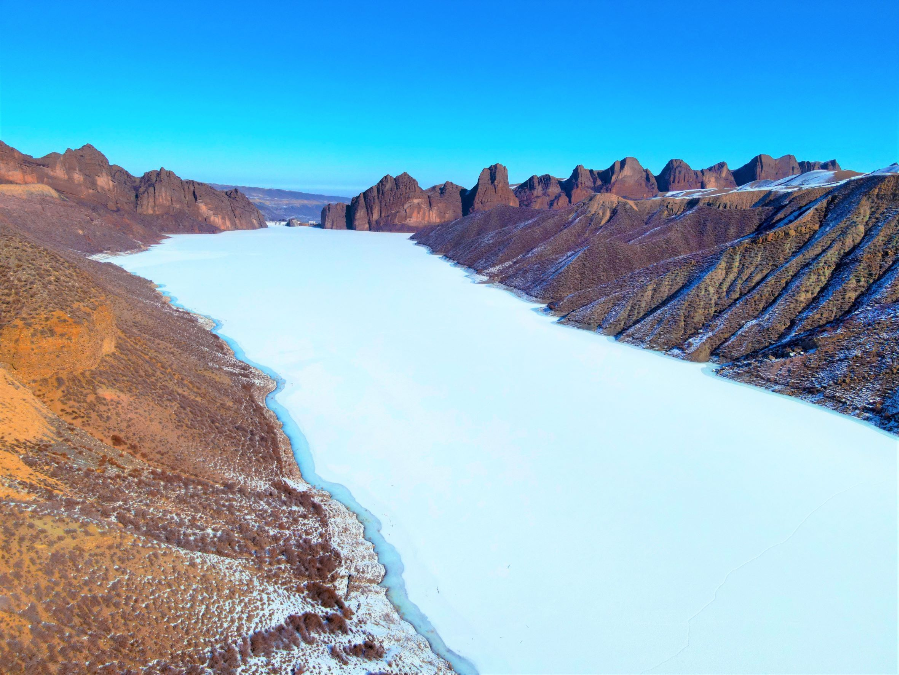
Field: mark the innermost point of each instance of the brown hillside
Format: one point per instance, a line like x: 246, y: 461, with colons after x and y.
x: 781, y: 287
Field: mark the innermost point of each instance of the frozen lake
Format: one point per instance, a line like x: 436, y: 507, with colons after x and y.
x: 561, y: 503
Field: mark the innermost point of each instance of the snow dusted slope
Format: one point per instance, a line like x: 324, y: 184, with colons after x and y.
x: 809, y: 179
x: 892, y: 168
x: 766, y: 276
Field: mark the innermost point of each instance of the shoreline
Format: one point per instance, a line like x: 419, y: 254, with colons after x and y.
x: 709, y: 368
x: 331, y: 322
x: 387, y: 555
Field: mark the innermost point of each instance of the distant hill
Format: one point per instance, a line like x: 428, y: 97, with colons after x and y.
x: 285, y: 204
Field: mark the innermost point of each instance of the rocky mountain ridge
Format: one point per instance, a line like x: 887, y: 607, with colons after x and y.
x: 796, y: 291
x: 399, y: 204
x: 158, y: 200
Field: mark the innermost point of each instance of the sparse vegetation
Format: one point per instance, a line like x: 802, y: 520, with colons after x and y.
x: 151, y: 516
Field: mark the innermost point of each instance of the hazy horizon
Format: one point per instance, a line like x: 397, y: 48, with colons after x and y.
x: 344, y: 95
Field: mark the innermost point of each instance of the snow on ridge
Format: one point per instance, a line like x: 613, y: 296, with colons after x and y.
x: 892, y: 168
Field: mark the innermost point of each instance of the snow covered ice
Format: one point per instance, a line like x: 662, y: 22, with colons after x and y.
x: 561, y: 502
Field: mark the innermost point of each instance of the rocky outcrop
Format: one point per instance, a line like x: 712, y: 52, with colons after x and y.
x: 677, y: 175
x: 717, y: 176
x: 391, y: 202
x: 765, y: 167
x: 445, y: 202
x: 758, y: 281
x: 582, y: 183
x: 334, y: 216
x: 492, y: 189
x: 829, y: 165
x: 86, y: 175
x: 627, y: 178
x: 395, y: 204
x: 162, y: 193
x: 542, y: 192
x: 400, y: 205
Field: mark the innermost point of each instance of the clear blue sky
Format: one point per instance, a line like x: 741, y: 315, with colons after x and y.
x: 330, y: 96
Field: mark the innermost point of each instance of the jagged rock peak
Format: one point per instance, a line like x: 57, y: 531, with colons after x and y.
x: 492, y: 189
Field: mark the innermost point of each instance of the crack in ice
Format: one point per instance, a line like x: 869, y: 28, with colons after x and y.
x: 741, y: 566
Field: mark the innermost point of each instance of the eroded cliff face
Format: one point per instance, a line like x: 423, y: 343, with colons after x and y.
x: 829, y: 165
x: 334, y: 216
x: 445, y: 202
x: 759, y: 281
x: 625, y: 178
x: 401, y: 205
x: 85, y: 175
x: 162, y: 193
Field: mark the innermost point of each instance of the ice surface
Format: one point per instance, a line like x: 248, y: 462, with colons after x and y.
x: 561, y: 502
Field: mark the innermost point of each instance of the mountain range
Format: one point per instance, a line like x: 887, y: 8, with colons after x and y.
x: 400, y: 204
x: 280, y: 205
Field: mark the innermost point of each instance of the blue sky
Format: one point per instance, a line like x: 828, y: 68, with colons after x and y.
x: 330, y: 96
